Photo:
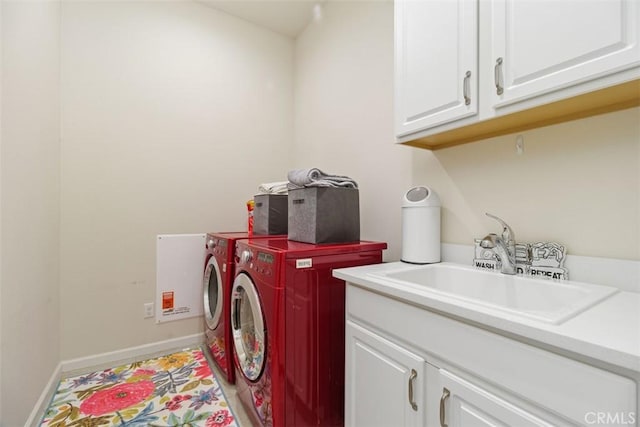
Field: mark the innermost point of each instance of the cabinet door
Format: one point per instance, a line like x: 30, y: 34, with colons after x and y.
x: 436, y: 46
x: 384, y: 383
x: 458, y: 403
x: 539, y: 46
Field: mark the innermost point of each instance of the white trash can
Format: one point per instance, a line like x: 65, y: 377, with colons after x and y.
x: 421, y: 226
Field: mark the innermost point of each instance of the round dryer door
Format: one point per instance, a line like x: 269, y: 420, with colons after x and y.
x: 247, y: 324
x: 213, y: 294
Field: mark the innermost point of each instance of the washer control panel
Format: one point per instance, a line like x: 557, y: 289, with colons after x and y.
x: 216, y: 246
x: 254, y: 261
x: 245, y: 256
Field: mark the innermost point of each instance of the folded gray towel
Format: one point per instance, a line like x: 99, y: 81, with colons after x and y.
x: 314, y: 177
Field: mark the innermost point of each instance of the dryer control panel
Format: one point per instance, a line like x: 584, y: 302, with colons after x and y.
x: 246, y: 256
x: 257, y: 263
x: 215, y: 245
x: 220, y: 246
x: 263, y: 263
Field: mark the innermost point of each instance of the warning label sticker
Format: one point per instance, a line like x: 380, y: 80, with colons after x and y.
x: 167, y: 301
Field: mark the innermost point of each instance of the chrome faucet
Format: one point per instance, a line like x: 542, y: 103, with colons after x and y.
x: 504, y: 247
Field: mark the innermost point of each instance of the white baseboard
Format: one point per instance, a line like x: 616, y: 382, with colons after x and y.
x: 131, y: 353
x: 43, y: 402
x: 107, y: 360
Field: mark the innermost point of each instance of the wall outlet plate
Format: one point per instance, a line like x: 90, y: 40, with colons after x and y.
x: 148, y: 310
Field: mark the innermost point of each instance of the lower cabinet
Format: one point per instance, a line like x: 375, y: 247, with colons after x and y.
x: 456, y: 402
x: 388, y: 385
x: 384, y: 383
x: 407, y: 366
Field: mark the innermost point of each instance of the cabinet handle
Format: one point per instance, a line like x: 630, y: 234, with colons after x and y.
x: 445, y: 395
x: 465, y: 88
x: 413, y: 376
x: 497, y: 76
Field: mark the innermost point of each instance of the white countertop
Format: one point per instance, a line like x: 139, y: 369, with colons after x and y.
x: 608, y: 332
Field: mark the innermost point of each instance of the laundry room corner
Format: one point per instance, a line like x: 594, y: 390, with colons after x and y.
x: 152, y: 147
x: 29, y: 203
x: 344, y: 110
x: 285, y: 213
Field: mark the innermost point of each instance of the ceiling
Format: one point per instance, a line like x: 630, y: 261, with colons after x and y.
x: 287, y: 17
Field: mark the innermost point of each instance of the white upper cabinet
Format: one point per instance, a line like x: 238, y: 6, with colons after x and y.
x: 541, y: 46
x: 469, y: 69
x: 436, y: 70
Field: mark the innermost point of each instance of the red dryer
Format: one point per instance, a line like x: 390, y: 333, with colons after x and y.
x: 287, y: 321
x: 217, y: 282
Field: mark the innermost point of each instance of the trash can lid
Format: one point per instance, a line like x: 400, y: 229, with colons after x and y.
x: 419, y: 197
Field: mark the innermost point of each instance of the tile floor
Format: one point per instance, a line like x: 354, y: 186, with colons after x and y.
x: 230, y: 392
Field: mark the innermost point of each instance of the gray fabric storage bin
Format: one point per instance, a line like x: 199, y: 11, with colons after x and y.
x: 324, y: 215
x: 270, y: 214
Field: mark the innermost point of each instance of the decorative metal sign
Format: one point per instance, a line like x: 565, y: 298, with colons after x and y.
x: 541, y: 259
x: 484, y: 258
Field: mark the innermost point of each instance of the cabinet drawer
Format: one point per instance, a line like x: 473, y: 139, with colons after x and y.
x: 557, y: 383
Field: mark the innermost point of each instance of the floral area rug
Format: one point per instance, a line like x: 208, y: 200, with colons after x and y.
x: 169, y: 391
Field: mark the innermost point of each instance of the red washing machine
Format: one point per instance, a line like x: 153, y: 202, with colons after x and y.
x: 287, y: 321
x: 219, y: 272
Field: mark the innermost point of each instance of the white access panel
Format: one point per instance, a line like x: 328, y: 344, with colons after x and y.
x: 179, y: 268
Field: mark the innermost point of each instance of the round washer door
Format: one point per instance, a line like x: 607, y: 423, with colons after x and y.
x: 213, y: 294
x: 247, y: 324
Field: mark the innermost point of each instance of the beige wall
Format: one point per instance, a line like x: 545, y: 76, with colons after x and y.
x: 172, y: 114
x: 344, y: 111
x: 1, y: 281
x: 30, y: 203
x: 577, y: 183
x: 164, y: 107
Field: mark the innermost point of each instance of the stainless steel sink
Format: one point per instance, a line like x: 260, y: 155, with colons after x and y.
x: 544, y: 300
